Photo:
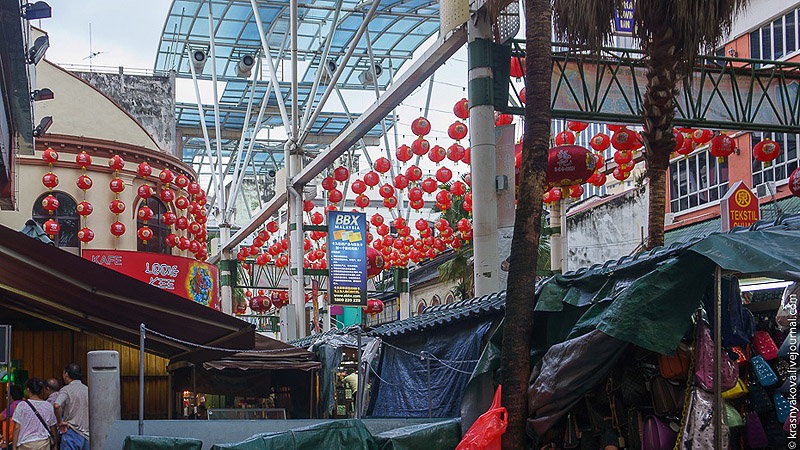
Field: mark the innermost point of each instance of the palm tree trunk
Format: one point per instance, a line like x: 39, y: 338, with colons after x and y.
x: 658, y: 112
x: 520, y: 303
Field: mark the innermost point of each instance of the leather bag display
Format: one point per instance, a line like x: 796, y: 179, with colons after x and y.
x: 667, y: 397
x: 675, y: 367
x: 766, y: 376
x: 704, y: 363
x: 754, y: 432
x: 657, y: 435
x: 765, y: 346
x: 740, y: 390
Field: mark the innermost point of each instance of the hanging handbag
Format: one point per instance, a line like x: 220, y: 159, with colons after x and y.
x: 51, y: 439
x: 782, y: 406
x: 698, y: 431
x: 774, y: 431
x: 782, y: 369
x: 657, y: 435
x: 732, y: 417
x: 667, y: 397
x: 742, y: 357
x: 737, y: 325
x: 766, y: 376
x: 758, y: 398
x: 754, y: 431
x: 704, y: 364
x: 765, y: 346
x: 633, y: 388
x: 675, y: 367
x: 740, y: 390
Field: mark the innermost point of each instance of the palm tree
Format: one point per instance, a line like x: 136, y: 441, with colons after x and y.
x: 671, y: 33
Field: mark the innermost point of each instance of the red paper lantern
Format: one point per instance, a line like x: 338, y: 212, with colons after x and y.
x: 400, y: 181
x: 193, y: 188
x: 182, y: 181
x: 116, y: 163
x: 415, y: 194
x: 84, y: 208
x: 437, y: 154
x: 413, y: 173
x: 116, y: 185
x: 420, y: 147
x: 457, y: 130
x: 386, y: 191
x: 308, y: 205
x: 442, y: 196
x: 461, y: 109
x: 569, y: 165
x: 624, y: 139
x: 576, y: 191
x: 565, y: 138
x: 182, y: 223
x: 374, y: 262
x: 382, y: 165
x: 467, y: 206
x: 686, y: 148
x: 358, y: 186
x: 417, y: 204
x: 577, y: 127
x: 169, y: 218
x: 50, y: 156
x: 334, y: 196
x: 371, y: 179
x: 341, y: 173
x: 458, y: 188
x: 166, y: 176
x: 272, y: 226
x: 144, y: 214
x: 466, y: 158
x: 167, y: 195
x: 117, y: 229
x: 521, y: 95
x: 50, y: 203
x: 620, y: 174
x: 83, y: 160
x: 399, y: 223
x: 502, y: 119
x: 117, y: 206
x: 794, y: 182
x: 85, y: 235
x: 679, y: 139
x: 766, y: 151
x: 145, y: 233
x: 50, y: 180
x: 420, y: 126
x: 597, y: 179
x: 145, y: 191
x: 404, y: 153
x: 623, y: 157
x: 316, y: 219
x: 722, y: 146
x: 377, y: 220
x: 84, y: 182
x: 144, y: 170
x: 600, y: 142
x: 429, y: 185
x: 328, y: 183
x: 390, y: 202
x: 195, y: 228
x: 362, y: 201
x: 181, y: 202
x: 517, y: 67
x: 455, y: 152
x: 701, y: 137
x: 444, y: 174
x: 51, y: 227
x: 374, y: 306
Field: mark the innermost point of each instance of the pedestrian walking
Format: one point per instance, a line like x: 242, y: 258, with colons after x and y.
x: 72, y: 409
x: 50, y: 390
x: 8, y: 413
x: 35, y: 420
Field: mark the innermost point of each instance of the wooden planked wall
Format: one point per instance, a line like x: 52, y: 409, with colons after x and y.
x: 44, y: 354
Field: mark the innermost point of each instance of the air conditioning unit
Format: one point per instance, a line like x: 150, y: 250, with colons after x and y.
x: 245, y: 66
x: 199, y: 59
x: 365, y: 77
x: 766, y: 189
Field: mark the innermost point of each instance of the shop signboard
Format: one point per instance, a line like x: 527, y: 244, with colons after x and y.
x: 347, y: 258
x: 623, y: 18
x: 739, y: 207
x: 189, y: 278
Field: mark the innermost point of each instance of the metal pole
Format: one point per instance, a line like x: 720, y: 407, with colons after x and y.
x: 218, y: 132
x: 142, y: 332
x: 428, y: 364
x: 358, y: 383
x: 323, y: 64
x: 483, y: 163
x: 717, y: 357
x: 271, y: 66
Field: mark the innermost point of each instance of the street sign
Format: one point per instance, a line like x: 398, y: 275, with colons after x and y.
x: 623, y: 18
x: 347, y: 258
x: 739, y: 207
x: 5, y: 344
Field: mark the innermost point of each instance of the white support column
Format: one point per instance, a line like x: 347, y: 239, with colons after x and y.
x: 218, y: 132
x: 226, y: 300
x: 483, y: 164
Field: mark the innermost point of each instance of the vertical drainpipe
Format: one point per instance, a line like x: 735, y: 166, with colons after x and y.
x: 483, y: 162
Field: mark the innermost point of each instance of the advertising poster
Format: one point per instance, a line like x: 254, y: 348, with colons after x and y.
x: 189, y: 278
x: 347, y: 258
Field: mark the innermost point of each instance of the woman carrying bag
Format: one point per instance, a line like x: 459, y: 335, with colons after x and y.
x: 35, y: 420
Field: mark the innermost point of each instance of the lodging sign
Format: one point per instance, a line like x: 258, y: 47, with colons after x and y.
x: 347, y: 258
x: 186, y: 277
x: 623, y: 18
x: 739, y: 207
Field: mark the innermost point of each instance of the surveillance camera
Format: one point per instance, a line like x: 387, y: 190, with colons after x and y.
x: 199, y: 59
x: 271, y: 173
x: 245, y: 66
x: 366, y: 76
x: 37, y: 51
x: 43, y: 126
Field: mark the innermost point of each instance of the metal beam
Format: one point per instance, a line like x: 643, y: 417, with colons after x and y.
x: 433, y: 58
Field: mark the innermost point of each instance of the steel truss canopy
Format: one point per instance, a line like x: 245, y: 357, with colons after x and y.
x: 397, y: 29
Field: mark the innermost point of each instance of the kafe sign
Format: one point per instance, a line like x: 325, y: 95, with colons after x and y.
x: 189, y: 278
x: 739, y: 207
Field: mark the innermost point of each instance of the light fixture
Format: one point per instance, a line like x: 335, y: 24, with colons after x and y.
x: 365, y: 77
x: 245, y: 66
x: 199, y: 59
x: 765, y: 286
x: 330, y: 69
x: 42, y: 94
x: 37, y: 51
x: 43, y: 126
x: 34, y: 11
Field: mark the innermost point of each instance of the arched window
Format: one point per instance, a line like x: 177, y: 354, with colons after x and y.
x: 435, y: 301
x: 450, y: 299
x: 421, y: 307
x: 160, y: 230
x: 67, y: 217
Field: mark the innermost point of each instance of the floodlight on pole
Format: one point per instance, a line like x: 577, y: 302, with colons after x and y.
x: 245, y: 66
x: 42, y: 94
x: 199, y: 59
x: 366, y: 77
x: 43, y: 126
x: 35, y: 11
x: 37, y: 51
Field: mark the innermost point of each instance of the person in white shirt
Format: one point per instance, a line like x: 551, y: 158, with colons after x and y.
x: 30, y: 417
